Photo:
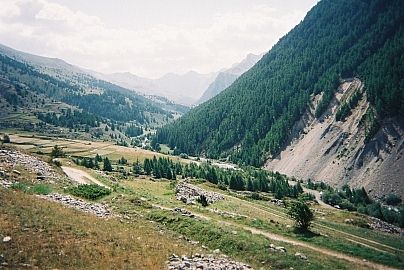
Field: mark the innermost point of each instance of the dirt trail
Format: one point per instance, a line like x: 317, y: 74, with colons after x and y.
x: 80, y: 176
x: 276, y: 237
x: 324, y: 251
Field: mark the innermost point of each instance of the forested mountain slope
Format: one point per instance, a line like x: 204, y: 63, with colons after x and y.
x: 52, y: 90
x: 337, y: 39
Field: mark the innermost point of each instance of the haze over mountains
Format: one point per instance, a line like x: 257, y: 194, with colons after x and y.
x: 181, y: 88
x: 189, y: 88
x: 227, y: 77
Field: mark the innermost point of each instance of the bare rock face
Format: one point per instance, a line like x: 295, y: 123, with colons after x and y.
x: 200, y: 261
x: 189, y: 193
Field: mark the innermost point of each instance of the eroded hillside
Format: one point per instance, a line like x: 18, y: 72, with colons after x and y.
x: 337, y: 152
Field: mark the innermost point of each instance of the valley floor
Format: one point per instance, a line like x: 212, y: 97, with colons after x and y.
x: 148, y: 224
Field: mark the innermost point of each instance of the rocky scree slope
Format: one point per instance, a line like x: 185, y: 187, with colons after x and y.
x: 337, y: 152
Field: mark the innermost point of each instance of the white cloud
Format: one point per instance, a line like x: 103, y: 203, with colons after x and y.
x: 47, y: 28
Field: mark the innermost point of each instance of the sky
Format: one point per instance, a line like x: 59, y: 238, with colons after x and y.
x: 148, y: 38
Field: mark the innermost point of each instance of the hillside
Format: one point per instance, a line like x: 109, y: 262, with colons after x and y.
x: 336, y: 152
x: 253, y: 118
x: 37, y: 92
x: 227, y: 77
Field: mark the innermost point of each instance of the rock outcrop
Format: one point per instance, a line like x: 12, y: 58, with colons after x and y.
x: 189, y: 193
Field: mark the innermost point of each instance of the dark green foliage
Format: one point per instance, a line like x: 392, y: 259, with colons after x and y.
x: 236, y: 182
x: 337, y: 39
x: 203, y: 201
x: 87, y: 162
x: 358, y: 200
x: 91, y: 192
x: 137, y: 167
x: 107, y: 165
x: 392, y: 199
x: 301, y: 214
x: 6, y: 138
x: 258, y: 180
x: 57, y: 152
x: 122, y: 161
x: 133, y: 131
x: 346, y: 108
x: 370, y: 123
x: 70, y: 119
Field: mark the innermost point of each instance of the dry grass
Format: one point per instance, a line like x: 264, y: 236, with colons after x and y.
x: 84, y: 148
x: 43, y: 237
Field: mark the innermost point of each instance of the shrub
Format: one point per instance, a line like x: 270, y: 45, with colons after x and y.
x: 302, y: 214
x: 57, y: 152
x: 392, y: 199
x: 202, y: 200
x: 91, y: 192
x: 304, y: 197
x: 345, y: 204
x: 6, y: 138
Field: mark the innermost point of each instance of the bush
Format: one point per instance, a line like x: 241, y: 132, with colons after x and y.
x: 91, y: 192
x: 302, y: 214
x: 57, y: 152
x: 202, y: 200
x: 305, y: 197
x: 345, y: 204
x: 6, y: 138
x: 392, y: 199
x: 255, y: 196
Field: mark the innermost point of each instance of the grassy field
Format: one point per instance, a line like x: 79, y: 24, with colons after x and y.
x: 44, y: 145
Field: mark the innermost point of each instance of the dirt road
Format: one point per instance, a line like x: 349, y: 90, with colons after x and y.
x: 80, y: 176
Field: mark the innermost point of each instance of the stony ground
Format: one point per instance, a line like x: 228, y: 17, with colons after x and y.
x: 100, y: 210
x: 206, y: 262
x: 189, y: 193
x: 31, y: 163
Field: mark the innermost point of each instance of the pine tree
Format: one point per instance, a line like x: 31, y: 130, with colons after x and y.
x: 107, y: 165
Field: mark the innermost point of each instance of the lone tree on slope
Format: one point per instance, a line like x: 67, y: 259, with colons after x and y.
x: 302, y: 214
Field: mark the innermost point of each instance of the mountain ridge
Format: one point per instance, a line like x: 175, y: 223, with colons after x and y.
x: 226, y: 77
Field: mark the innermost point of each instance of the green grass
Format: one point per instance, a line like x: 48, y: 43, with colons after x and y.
x: 41, y: 189
x: 244, y: 246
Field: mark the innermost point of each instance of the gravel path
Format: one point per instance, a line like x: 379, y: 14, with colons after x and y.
x: 80, y: 176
